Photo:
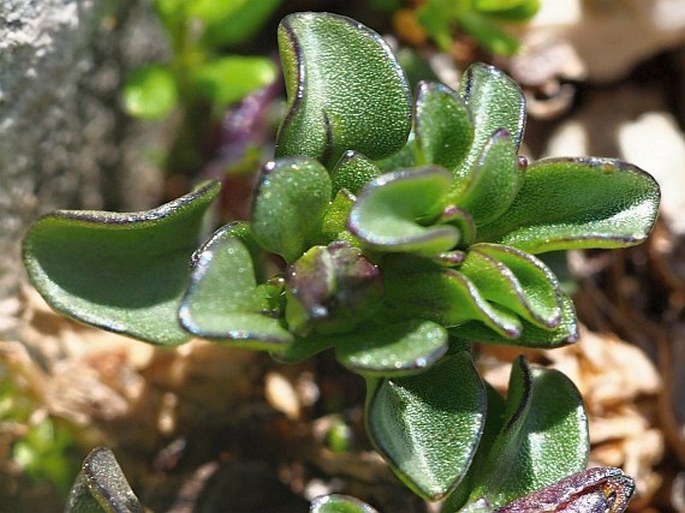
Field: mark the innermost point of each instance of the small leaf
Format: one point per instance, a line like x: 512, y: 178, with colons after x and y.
x: 395, y: 349
x: 520, y: 13
x: 428, y: 426
x: 222, y: 302
x: 336, y: 503
x: 121, y: 272
x: 290, y: 200
x: 516, y: 280
x: 421, y: 288
x: 227, y: 23
x: 484, y: 29
x: 334, y: 224
x: 578, y: 203
x: 595, y: 490
x: 496, y: 5
x: 391, y: 212
x: 443, y: 125
x: 495, y: 102
x: 228, y: 79
x: 530, y: 335
x: 150, y: 92
x: 101, y: 487
x: 352, y: 172
x: 345, y: 88
x: 544, y: 438
x: 493, y: 182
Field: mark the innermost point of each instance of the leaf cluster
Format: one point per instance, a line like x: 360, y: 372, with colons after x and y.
x: 407, y: 226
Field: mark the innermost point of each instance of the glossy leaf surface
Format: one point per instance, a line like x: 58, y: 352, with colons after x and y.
x: 222, y: 302
x: 544, y: 437
x: 516, y: 280
x: 578, y: 203
x: 121, y: 272
x: 444, y: 131
x: 495, y: 102
x: 345, y: 88
x: 290, y: 199
x: 101, y: 487
x: 428, y: 426
x: 336, y: 503
x: 353, y: 171
x: 391, y: 212
x: 398, y: 348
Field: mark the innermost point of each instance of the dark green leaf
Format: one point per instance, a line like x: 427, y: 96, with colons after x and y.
x: 516, y: 280
x: 391, y: 212
x: 494, y: 180
x: 289, y: 203
x: 578, y: 203
x: 150, y: 92
x: 530, y: 335
x: 428, y: 426
x: 443, y: 125
x: 544, y: 437
x: 353, y: 171
x: 399, y: 348
x: 222, y: 302
x: 228, y: 79
x: 346, y: 90
x: 339, y: 504
x: 495, y: 102
x: 421, y: 288
x: 101, y: 487
x: 121, y: 272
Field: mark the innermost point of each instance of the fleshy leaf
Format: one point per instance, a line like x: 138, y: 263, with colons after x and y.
x: 345, y: 88
x: 121, y: 272
x: 101, y: 487
x: 227, y: 23
x: 222, y: 302
x: 544, y: 437
x: 336, y: 503
x: 290, y: 200
x: 228, y: 79
x: 494, y: 180
x: 398, y: 348
x: 443, y: 125
x: 428, y: 426
x: 595, y: 490
x: 150, y: 92
x: 353, y: 171
x: 390, y: 212
x: 495, y: 102
x: 421, y: 288
x: 530, y: 334
x: 334, y: 224
x: 578, y: 203
x: 516, y: 280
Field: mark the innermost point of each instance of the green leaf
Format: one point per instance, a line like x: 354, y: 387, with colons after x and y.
x: 544, y: 437
x: 520, y: 13
x: 515, y: 280
x: 494, y: 180
x: 495, y: 102
x: 437, y: 17
x: 230, y: 22
x: 290, y: 200
x: 395, y: 349
x: 488, y: 34
x: 121, y: 272
x: 530, y: 335
x: 222, y: 302
x: 578, y: 203
x: 421, y: 288
x: 101, y: 487
x: 228, y: 79
x: 496, y: 5
x: 443, y: 125
x: 392, y: 210
x: 334, y: 224
x: 428, y: 426
x: 345, y: 88
x: 352, y: 172
x: 150, y: 92
x: 336, y: 503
